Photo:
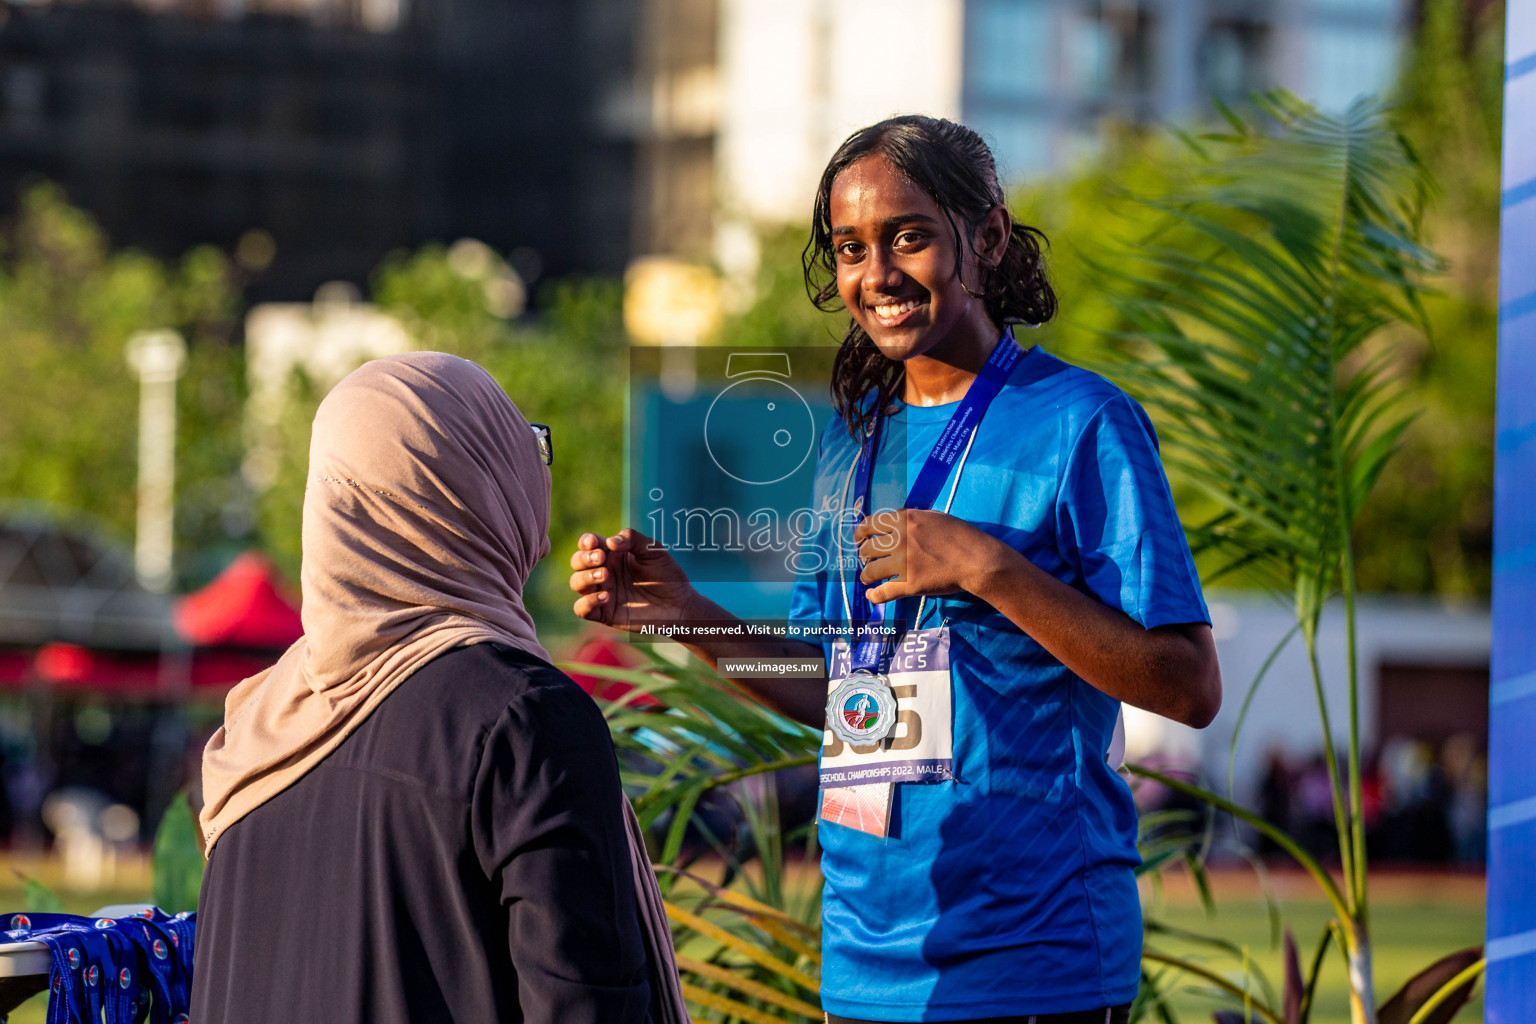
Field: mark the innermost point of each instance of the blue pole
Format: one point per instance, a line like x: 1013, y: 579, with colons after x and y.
x: 1511, y: 991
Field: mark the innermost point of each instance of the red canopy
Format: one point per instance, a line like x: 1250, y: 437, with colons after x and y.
x: 137, y: 673
x: 235, y: 626
x: 76, y: 667
x: 247, y: 605
x: 15, y: 664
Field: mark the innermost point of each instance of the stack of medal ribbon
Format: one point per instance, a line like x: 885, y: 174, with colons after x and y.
x: 110, y: 970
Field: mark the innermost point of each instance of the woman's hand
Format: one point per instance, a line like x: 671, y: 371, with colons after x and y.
x: 628, y: 580
x: 919, y: 552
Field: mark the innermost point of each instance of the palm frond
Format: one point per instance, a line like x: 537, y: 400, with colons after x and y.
x: 1296, y: 243
x: 748, y: 948
x: 1303, y: 859
x: 741, y: 957
x: 1226, y: 986
x: 700, y: 735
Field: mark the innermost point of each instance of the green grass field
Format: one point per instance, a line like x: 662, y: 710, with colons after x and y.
x: 1416, y: 919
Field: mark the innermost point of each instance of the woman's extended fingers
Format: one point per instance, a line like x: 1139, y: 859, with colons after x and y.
x: 585, y: 581
x: 590, y: 551
x: 592, y: 606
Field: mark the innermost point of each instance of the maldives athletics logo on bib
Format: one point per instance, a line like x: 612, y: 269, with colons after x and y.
x: 862, y: 709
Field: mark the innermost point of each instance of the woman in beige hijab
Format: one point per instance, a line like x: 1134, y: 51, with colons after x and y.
x: 412, y: 816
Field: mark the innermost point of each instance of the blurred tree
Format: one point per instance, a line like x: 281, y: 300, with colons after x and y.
x: 68, y: 443
x: 1429, y: 526
x: 280, y: 497
x: 569, y: 369
x: 564, y: 367
x: 780, y: 312
x: 1086, y: 215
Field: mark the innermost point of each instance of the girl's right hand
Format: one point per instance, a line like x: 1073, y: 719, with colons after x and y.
x: 628, y: 580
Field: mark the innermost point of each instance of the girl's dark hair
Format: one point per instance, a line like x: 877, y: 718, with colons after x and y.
x: 952, y: 164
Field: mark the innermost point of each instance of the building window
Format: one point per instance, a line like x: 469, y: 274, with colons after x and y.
x: 23, y: 96
x: 1233, y: 59
x: 1011, y: 49
x: 1346, y: 62
x: 1108, y: 49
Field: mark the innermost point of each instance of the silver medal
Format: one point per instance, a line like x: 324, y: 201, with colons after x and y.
x: 862, y: 709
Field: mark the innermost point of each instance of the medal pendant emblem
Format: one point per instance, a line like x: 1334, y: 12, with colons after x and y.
x: 862, y: 709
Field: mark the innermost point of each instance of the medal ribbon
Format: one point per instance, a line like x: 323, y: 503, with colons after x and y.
x: 868, y: 649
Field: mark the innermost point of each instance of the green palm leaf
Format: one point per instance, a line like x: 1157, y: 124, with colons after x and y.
x: 705, y: 735
x: 1296, y: 245
x: 1258, y: 313
x: 748, y: 947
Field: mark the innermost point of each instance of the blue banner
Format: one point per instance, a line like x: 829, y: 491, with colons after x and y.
x: 1511, y: 992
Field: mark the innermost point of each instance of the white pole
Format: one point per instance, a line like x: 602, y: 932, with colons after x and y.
x: 157, y: 358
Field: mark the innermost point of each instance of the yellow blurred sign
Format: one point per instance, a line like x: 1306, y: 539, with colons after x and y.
x: 670, y: 302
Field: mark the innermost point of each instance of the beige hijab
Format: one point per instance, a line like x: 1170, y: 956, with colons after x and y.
x: 427, y: 507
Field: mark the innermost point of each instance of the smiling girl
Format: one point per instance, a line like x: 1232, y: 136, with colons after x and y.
x: 1022, y: 529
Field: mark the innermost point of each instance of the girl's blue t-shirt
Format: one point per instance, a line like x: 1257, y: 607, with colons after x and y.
x: 1010, y: 890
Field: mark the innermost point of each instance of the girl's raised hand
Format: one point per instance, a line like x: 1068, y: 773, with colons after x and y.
x: 916, y: 552
x: 628, y: 580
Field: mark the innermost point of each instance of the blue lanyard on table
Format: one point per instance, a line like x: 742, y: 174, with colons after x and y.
x: 113, y: 971
x: 869, y: 647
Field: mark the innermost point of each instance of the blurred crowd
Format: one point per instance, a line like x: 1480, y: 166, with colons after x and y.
x: 1423, y: 804
x: 89, y: 778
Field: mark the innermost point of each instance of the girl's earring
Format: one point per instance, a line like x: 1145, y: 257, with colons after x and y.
x: 990, y: 269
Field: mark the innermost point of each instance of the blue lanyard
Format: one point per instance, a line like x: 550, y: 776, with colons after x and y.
x: 869, y: 647
x: 113, y: 971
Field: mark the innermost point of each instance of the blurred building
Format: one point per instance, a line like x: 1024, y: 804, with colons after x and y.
x: 1154, y: 61
x: 577, y: 134
x: 1423, y: 677
x: 671, y: 108
x: 338, y: 129
x: 1036, y: 77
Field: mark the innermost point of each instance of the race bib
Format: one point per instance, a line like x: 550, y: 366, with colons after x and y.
x: 857, y: 780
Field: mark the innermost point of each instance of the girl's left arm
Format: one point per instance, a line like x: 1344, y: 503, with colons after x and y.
x: 1169, y: 670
